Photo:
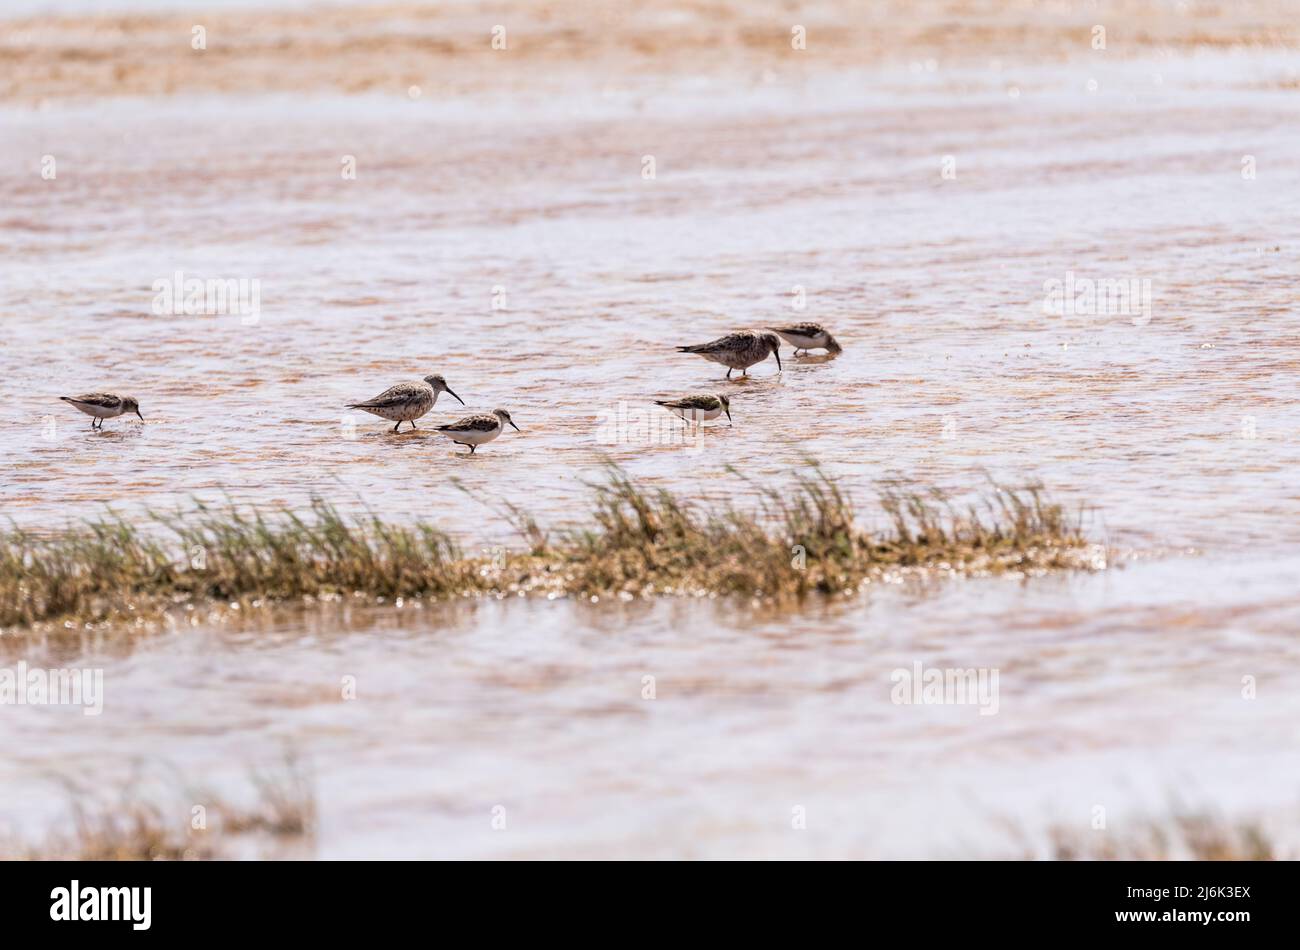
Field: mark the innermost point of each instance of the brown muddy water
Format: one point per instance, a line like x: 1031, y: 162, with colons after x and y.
x: 506, y: 236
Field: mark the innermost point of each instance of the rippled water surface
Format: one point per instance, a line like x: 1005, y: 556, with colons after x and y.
x: 1175, y: 430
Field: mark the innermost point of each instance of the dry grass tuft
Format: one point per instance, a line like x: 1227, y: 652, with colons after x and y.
x: 1181, y: 835
x: 130, y: 828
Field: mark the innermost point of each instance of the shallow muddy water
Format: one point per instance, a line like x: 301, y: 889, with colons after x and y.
x: 1173, y: 426
x: 1121, y: 689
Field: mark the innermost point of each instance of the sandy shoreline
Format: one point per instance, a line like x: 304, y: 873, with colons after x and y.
x: 390, y: 48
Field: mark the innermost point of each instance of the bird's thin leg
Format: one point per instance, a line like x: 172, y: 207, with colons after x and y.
x: 399, y: 422
x: 728, y: 374
x: 472, y: 447
x: 412, y: 423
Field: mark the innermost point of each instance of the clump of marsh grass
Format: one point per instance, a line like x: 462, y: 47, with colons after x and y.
x: 128, y: 827
x: 110, y: 567
x: 798, y: 540
x: 643, y: 541
x: 286, y: 804
x: 1184, y: 835
x: 1006, y: 524
x: 127, y: 831
x: 803, y: 539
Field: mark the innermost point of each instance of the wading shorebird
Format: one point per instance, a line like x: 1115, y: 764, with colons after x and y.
x: 738, y: 350
x: 475, y: 430
x: 698, y: 407
x: 104, y: 406
x: 406, y: 402
x: 808, y: 336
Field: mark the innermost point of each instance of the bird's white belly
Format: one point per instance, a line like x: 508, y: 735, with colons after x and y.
x: 475, y: 436
x: 696, y: 415
x: 803, y: 342
x: 99, y: 412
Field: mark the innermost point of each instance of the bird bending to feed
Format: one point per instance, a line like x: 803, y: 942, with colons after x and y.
x: 808, y: 336
x: 406, y: 402
x: 475, y: 430
x: 738, y: 350
x: 698, y: 407
x: 104, y: 406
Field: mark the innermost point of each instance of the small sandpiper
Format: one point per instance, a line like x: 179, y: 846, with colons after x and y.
x: 698, y: 407
x: 406, y: 402
x: 104, y: 406
x: 738, y: 350
x: 808, y: 336
x: 475, y: 430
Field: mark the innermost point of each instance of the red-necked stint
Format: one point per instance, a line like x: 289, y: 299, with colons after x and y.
x: 698, y: 407
x: 475, y: 430
x: 104, y: 406
x: 808, y: 336
x: 406, y: 402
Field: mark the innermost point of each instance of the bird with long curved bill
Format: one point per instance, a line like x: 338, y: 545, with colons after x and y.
x: 406, y: 402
